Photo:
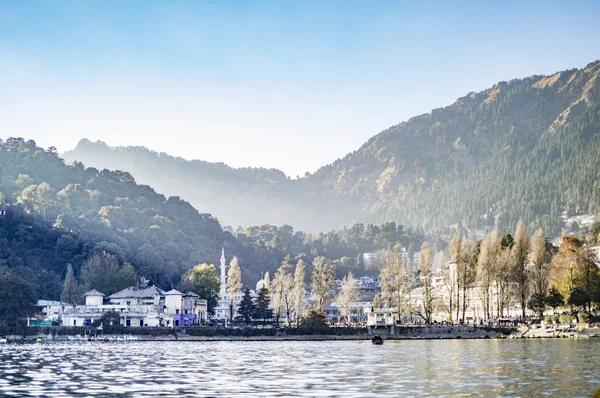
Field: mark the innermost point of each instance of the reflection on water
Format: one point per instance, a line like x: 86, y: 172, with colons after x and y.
x: 409, y: 368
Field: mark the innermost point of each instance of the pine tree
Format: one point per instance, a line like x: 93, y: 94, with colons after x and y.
x: 246, y: 308
x: 70, y: 290
x: 261, y: 305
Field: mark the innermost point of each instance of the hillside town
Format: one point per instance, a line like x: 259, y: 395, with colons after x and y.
x: 423, y: 289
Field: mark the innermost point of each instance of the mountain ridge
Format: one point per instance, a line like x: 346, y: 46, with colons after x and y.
x: 395, y: 174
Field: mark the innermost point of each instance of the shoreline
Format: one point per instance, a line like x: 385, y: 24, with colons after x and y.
x: 400, y: 334
x: 45, y: 338
x: 366, y: 339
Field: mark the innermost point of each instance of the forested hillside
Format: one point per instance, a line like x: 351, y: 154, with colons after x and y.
x: 528, y: 148
x: 239, y: 197
x: 101, y: 221
x: 161, y: 236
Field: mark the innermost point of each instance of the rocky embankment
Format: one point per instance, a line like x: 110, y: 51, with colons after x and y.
x: 561, y: 331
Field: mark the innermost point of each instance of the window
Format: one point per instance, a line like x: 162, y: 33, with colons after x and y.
x: 74, y: 322
x: 177, y: 311
x: 129, y: 303
x: 128, y: 322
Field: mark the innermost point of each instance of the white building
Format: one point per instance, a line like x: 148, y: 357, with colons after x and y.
x: 384, y: 317
x: 333, y: 312
x: 474, y: 309
x: 368, y: 259
x: 139, y: 306
x: 48, y: 313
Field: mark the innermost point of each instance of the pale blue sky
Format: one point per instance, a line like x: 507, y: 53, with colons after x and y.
x: 265, y: 83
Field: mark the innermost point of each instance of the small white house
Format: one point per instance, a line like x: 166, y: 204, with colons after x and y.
x: 173, y: 302
x: 94, y: 298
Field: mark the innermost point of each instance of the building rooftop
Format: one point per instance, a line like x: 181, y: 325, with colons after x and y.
x: 94, y: 292
x: 46, y: 303
x: 191, y: 294
x: 173, y: 292
x: 138, y: 292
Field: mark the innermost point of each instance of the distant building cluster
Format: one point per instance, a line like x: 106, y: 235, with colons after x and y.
x: 135, y: 306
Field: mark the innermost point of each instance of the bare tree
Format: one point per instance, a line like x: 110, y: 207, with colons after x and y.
x: 520, y: 264
x: 563, y: 268
x: 347, y: 295
x: 466, y: 272
x: 539, y: 257
x: 456, y: 256
x: 486, y: 264
x: 449, y: 276
x: 385, y: 285
x: 393, y: 278
x: 234, y: 284
x: 502, y: 275
x: 281, y: 288
x: 322, y: 278
x: 426, y: 275
x: 288, y: 299
x: 299, y: 288
x: 588, y: 277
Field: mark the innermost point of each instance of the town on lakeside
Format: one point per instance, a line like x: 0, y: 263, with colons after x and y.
x: 422, y: 290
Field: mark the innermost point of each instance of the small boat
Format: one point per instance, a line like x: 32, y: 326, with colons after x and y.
x: 3, y: 340
x: 377, y: 340
x: 39, y: 340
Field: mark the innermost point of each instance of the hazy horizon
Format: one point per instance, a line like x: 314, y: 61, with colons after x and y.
x: 291, y: 87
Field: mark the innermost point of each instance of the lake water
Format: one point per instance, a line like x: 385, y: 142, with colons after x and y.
x: 527, y: 368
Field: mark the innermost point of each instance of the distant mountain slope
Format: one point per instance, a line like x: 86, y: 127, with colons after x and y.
x: 526, y: 148
x: 162, y: 237
x: 246, y: 196
x: 54, y: 214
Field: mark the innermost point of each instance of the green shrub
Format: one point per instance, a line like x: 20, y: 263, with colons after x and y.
x: 566, y: 319
x: 583, y: 317
x: 549, y: 319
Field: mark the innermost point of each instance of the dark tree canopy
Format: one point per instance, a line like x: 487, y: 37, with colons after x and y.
x: 261, y: 305
x: 17, y: 298
x: 246, y: 307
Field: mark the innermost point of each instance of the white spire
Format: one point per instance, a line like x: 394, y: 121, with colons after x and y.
x: 223, y: 290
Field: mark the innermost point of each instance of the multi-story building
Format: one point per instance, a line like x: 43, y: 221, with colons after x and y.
x: 357, y: 311
x: 139, y: 306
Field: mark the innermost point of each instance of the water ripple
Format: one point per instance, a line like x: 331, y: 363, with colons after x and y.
x: 301, y: 369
